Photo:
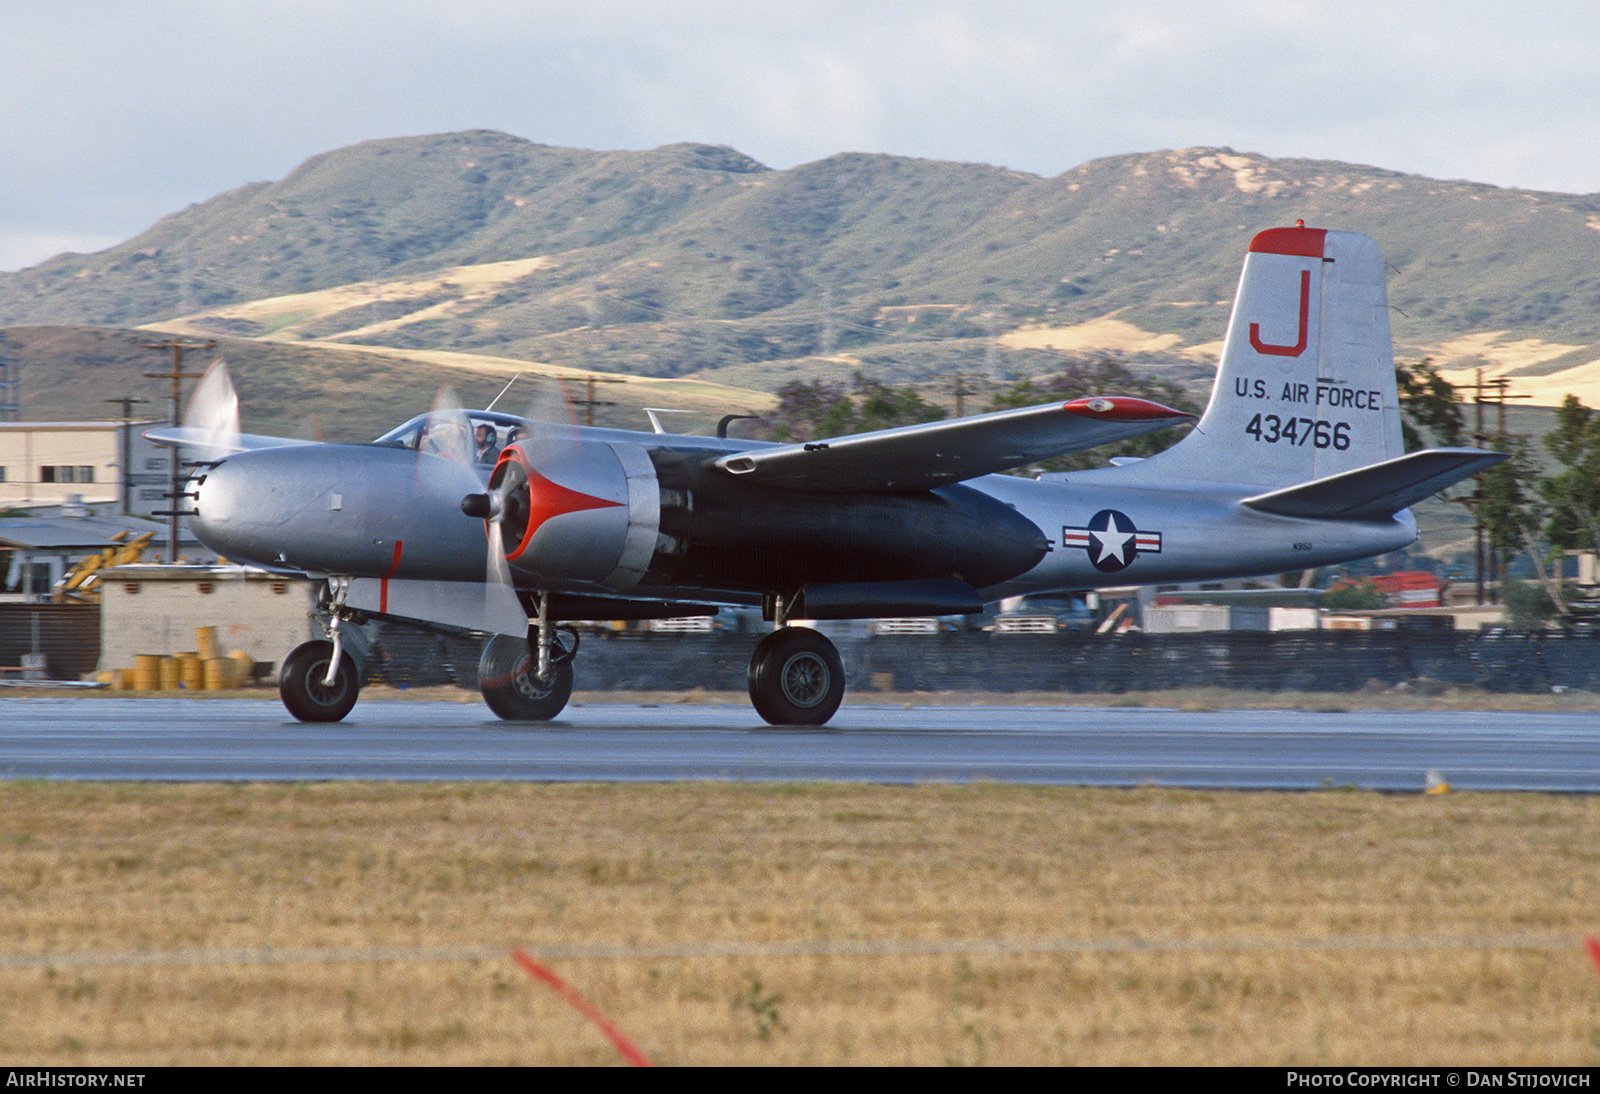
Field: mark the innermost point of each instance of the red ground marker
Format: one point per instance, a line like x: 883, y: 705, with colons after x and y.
x: 583, y: 1006
x: 1593, y: 946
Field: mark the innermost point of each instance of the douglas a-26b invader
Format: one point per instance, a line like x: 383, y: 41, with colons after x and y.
x: 1296, y: 463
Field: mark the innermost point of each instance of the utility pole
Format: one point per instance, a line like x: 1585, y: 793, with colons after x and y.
x: 1488, y: 393
x: 991, y: 349
x: 126, y: 402
x: 589, y: 402
x: 961, y: 393
x: 177, y: 376
x: 828, y: 340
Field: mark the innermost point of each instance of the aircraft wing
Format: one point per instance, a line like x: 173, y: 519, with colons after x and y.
x: 174, y: 435
x: 1379, y: 489
x: 933, y: 454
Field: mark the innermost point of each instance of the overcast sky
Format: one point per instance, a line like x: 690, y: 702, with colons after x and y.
x: 115, y: 113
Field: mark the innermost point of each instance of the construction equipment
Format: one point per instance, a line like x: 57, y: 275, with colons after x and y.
x: 81, y: 585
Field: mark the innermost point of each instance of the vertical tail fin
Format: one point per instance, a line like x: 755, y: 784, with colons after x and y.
x: 1306, y: 384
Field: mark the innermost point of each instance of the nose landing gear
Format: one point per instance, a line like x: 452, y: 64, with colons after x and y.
x: 317, y: 684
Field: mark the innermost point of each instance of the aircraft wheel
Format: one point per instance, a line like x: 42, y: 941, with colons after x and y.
x: 302, y: 686
x: 511, y: 686
x: 796, y: 678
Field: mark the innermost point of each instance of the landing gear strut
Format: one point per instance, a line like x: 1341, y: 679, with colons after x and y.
x: 319, y: 682
x: 796, y: 678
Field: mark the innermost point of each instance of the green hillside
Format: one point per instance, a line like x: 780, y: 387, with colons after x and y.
x: 335, y: 393
x: 694, y: 260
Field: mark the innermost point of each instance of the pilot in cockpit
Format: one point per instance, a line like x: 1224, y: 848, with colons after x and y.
x: 487, y: 448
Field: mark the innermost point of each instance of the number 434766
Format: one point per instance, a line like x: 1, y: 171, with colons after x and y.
x: 1299, y: 431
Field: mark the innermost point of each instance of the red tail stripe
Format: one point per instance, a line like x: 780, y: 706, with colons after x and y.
x: 1305, y: 242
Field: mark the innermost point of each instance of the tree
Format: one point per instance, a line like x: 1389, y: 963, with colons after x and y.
x: 1515, y: 518
x: 1346, y: 595
x: 1528, y: 604
x: 1508, y: 512
x: 883, y: 406
x: 1573, y: 493
x: 811, y: 410
x: 1429, y: 409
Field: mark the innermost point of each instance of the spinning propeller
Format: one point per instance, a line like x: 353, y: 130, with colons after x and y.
x: 519, y: 499
x: 212, y: 418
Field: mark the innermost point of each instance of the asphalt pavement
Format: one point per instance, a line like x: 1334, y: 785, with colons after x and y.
x: 255, y: 740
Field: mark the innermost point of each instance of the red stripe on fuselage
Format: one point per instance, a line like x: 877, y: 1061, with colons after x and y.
x: 383, y: 584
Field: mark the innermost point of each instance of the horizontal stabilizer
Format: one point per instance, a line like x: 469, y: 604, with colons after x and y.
x: 934, y: 454
x: 1377, y: 490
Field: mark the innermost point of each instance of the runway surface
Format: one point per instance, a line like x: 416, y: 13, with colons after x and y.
x: 255, y: 740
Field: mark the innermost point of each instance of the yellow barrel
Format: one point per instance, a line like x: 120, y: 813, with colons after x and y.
x: 121, y: 679
x: 147, y: 672
x: 171, y: 674
x: 191, y: 671
x: 205, y: 639
x: 242, y: 664
x: 219, y: 674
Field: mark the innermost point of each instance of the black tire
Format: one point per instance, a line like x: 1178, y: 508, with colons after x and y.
x: 512, y: 688
x: 796, y: 678
x: 303, y: 690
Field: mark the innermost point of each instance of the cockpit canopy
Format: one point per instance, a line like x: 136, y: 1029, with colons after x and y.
x: 480, y: 434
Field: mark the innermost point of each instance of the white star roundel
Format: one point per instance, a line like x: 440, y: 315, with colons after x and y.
x: 1111, y: 540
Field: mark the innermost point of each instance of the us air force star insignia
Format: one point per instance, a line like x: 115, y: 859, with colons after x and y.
x: 1111, y: 540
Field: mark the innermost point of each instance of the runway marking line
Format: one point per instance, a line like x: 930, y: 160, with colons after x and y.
x: 582, y: 1006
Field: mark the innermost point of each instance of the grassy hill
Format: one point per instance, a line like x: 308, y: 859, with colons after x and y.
x: 331, y: 392
x: 694, y: 261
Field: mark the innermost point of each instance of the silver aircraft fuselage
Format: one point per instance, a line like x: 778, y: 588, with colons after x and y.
x: 380, y: 512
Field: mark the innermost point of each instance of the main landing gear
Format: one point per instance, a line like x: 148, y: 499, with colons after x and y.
x: 508, y: 676
x: 529, y: 681
x: 796, y: 678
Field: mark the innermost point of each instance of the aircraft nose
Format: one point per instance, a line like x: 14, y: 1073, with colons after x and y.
x: 210, y: 488
x: 232, y: 504
x: 343, y: 509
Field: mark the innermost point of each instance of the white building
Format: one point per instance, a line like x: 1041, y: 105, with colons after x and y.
x: 157, y: 609
x: 102, y: 463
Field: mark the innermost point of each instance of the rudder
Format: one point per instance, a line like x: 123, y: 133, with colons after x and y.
x: 1305, y: 388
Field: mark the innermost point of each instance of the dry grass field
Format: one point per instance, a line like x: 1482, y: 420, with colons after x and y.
x: 811, y: 924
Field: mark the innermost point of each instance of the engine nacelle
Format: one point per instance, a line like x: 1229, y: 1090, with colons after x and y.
x: 586, y: 512
x: 621, y: 517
